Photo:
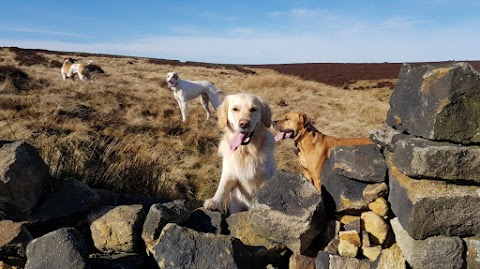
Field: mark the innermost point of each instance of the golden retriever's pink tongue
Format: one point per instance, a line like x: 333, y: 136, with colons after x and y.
x: 279, y: 136
x: 237, y: 140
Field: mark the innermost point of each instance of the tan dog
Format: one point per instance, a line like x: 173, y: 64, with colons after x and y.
x: 70, y: 69
x: 313, y: 146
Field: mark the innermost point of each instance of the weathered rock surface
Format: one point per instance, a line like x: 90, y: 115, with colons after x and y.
x: 14, y: 237
x: 380, y: 207
x: 23, y: 178
x: 473, y: 252
x: 437, y: 102
x: 117, y: 261
x: 386, y: 137
x: 117, y: 228
x: 343, y: 194
x: 427, y: 207
x: 434, y: 252
x: 299, y: 261
x: 421, y: 158
x: 69, y: 204
x: 376, y: 227
x: 328, y: 261
x: 288, y: 210
x: 206, y: 221
x: 180, y: 247
x: 159, y: 215
x: 349, y: 243
x: 390, y: 258
x: 363, y: 163
x: 62, y: 248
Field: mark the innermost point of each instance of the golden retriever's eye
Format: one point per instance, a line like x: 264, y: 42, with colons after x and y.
x: 253, y: 109
x: 235, y: 109
x: 287, y: 118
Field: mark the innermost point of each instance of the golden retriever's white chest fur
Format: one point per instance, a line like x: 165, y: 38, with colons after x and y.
x: 249, y: 163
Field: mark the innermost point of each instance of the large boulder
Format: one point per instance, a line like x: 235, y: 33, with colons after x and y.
x: 422, y: 158
x: 288, y: 210
x: 180, y: 247
x: 117, y: 228
x: 437, y: 102
x: 160, y: 215
x: 264, y: 251
x: 363, y: 163
x: 65, y: 207
x: 62, y: 248
x: 434, y: 252
x: 346, y: 195
x: 23, y: 178
x: 428, y: 207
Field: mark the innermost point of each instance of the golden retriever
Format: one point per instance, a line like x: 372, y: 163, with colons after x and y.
x: 247, y: 149
x: 313, y: 146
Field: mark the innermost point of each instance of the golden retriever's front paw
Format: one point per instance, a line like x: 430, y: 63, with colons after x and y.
x: 212, y: 204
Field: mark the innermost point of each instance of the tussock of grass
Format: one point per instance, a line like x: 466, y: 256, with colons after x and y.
x: 124, y: 131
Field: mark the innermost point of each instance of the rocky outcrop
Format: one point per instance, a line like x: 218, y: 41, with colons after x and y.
x: 160, y: 215
x: 289, y: 211
x: 433, y: 252
x: 437, y: 103
x: 117, y: 229
x: 180, y: 247
x: 23, y: 178
x: 433, y: 164
x: 63, y: 248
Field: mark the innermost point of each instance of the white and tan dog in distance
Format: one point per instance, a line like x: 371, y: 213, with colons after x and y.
x: 70, y: 69
x: 313, y: 146
x: 247, y: 149
x: 185, y: 90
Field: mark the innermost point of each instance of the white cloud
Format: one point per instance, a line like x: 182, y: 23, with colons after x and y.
x: 299, y: 13
x: 401, y: 22
x: 304, y: 13
x: 45, y: 32
x: 360, y: 42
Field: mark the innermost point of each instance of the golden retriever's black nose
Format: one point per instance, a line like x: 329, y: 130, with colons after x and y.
x: 244, y: 124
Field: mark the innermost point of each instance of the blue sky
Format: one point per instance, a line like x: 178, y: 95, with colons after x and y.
x: 250, y: 32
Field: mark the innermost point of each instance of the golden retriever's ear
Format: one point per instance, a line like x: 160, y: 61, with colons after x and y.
x: 306, y: 119
x: 222, y: 113
x: 266, y: 112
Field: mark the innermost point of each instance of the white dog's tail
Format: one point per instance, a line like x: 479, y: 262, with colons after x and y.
x: 90, y: 62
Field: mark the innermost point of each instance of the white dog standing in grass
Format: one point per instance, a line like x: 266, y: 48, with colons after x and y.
x: 185, y: 90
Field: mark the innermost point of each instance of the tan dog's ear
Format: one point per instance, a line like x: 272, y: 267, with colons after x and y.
x: 305, y: 118
x: 222, y: 113
x: 266, y: 112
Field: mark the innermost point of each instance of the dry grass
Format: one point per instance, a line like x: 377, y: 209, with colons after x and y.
x: 123, y: 130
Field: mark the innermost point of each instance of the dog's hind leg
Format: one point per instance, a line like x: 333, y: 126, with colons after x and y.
x: 204, y: 100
